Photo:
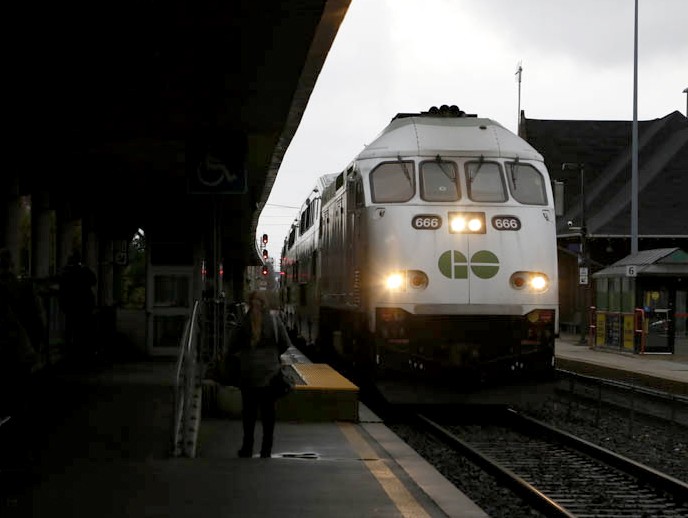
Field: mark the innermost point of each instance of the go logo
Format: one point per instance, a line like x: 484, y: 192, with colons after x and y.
x: 453, y: 264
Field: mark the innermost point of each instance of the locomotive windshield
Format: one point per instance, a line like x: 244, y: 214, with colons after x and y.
x: 485, y: 182
x: 438, y: 181
x: 392, y: 182
x: 526, y: 183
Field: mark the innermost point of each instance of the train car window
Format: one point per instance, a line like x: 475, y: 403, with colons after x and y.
x: 392, y: 182
x: 302, y: 223
x: 485, y: 182
x: 438, y: 181
x: 307, y: 218
x: 526, y: 183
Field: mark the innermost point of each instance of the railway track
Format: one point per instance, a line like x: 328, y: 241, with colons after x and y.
x: 559, y: 474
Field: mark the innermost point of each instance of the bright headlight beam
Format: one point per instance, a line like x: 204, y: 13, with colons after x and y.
x: 466, y: 222
x: 458, y: 224
x: 394, y: 281
x: 538, y: 282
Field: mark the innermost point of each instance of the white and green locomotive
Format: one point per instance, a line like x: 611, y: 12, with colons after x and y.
x: 433, y: 252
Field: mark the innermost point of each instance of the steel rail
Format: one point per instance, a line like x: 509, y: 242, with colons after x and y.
x: 529, y: 493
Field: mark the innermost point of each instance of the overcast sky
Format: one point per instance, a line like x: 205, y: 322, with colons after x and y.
x: 393, y: 56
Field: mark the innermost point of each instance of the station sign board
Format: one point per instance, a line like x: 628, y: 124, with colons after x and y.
x: 583, y: 275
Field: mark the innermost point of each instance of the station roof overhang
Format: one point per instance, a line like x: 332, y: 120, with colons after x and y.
x: 117, y: 110
x: 659, y: 262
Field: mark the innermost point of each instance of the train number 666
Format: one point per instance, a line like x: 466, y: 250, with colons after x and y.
x: 506, y: 223
x: 426, y: 222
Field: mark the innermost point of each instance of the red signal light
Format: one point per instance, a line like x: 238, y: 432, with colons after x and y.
x: 265, y: 239
x: 265, y: 270
x: 265, y: 254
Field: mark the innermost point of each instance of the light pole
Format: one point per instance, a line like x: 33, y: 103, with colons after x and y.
x: 583, y: 266
x: 685, y: 91
x: 634, y: 141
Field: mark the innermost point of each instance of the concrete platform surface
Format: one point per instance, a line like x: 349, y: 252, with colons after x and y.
x: 665, y: 372
x: 101, y: 442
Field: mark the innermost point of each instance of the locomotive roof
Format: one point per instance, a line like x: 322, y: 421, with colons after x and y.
x: 423, y: 135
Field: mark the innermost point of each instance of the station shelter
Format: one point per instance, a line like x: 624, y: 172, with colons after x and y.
x: 641, y: 303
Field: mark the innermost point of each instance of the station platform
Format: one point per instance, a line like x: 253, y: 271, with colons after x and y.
x: 101, y: 445
x: 661, y: 372
x: 101, y: 440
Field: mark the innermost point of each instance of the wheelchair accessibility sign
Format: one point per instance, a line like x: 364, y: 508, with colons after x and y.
x: 212, y: 175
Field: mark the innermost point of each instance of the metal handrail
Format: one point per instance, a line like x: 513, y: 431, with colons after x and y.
x: 185, y: 381
x: 205, y: 334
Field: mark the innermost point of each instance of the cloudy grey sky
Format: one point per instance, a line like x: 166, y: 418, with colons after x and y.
x: 393, y: 56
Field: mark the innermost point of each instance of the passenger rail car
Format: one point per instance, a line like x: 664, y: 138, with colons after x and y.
x: 433, y: 252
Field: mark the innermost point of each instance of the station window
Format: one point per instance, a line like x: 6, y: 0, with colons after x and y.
x: 526, y: 183
x: 438, y: 181
x: 602, y: 294
x: 392, y: 182
x: 485, y: 182
x: 171, y: 291
x: 615, y: 294
x: 627, y: 294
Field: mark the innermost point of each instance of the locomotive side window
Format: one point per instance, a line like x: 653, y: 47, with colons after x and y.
x: 303, y: 225
x: 438, y: 181
x: 526, y: 183
x: 392, y: 182
x: 485, y: 182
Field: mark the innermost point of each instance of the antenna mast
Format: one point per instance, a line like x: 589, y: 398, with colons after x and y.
x: 519, y: 71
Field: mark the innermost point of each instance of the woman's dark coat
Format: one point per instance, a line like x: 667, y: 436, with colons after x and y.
x: 259, y: 363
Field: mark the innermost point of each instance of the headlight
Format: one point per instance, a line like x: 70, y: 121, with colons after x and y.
x: 535, y: 282
x: 395, y: 281
x: 539, y: 282
x: 466, y: 222
x: 406, y: 279
x: 458, y: 224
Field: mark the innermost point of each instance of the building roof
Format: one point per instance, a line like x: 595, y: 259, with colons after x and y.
x: 604, y: 148
x: 657, y: 262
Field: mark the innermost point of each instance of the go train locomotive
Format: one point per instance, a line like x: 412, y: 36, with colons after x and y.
x: 433, y: 252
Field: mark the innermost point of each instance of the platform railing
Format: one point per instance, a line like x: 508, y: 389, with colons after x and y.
x: 187, y: 388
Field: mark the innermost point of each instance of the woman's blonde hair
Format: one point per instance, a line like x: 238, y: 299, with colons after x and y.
x: 258, y: 295
x: 256, y: 316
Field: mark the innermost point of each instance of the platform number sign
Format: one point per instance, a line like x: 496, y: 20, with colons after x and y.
x: 631, y: 270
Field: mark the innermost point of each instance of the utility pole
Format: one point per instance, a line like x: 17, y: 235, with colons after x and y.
x: 634, y: 151
x: 519, y: 72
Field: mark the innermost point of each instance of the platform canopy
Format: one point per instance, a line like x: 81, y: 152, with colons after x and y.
x: 660, y: 262
x: 166, y: 114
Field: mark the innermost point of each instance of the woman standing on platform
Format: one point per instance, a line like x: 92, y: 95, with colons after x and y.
x: 259, y: 340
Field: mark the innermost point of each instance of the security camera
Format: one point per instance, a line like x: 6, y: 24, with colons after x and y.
x: 569, y: 223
